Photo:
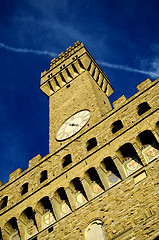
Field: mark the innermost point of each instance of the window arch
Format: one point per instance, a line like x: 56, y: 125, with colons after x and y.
x: 94, y: 181
x: 29, y: 224
x: 44, y: 207
x: 78, y: 191
x: 142, y: 108
x: 91, y: 143
x: 130, y: 158
x: 111, y: 170
x: 11, y: 229
x: 147, y: 137
x: 4, y: 202
x: 24, y: 188
x: 43, y: 176
x: 116, y: 126
x: 95, y: 231
x: 149, y: 145
x: 66, y: 160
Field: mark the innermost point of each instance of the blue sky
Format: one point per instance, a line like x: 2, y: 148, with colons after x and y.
x: 121, y: 35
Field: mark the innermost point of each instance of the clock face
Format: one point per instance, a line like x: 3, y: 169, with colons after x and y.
x: 73, y: 125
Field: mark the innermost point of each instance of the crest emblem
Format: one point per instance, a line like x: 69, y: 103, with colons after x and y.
x: 80, y: 198
x: 65, y: 208
x: 96, y: 188
x: 48, y: 218
x: 132, y: 165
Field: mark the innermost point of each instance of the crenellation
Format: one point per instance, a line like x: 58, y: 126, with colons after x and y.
x: 144, y: 85
x: 14, y: 175
x: 34, y: 161
x: 119, y: 102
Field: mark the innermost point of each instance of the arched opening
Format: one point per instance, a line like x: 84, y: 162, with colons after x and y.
x: 44, y: 207
x: 142, y: 108
x: 43, y: 176
x: 24, y: 188
x: 147, y: 137
x: 66, y: 160
x: 130, y: 159
x: 61, y: 197
x: 3, y: 202
x: 116, y: 126
x: 80, y: 195
x: 149, y: 145
x: 91, y: 143
x: 111, y: 171
x: 29, y: 222
x: 156, y: 238
x: 157, y: 127
x: 93, y: 179
x: 95, y: 231
x: 11, y: 229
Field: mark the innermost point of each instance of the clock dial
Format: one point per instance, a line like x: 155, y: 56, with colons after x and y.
x: 73, y: 125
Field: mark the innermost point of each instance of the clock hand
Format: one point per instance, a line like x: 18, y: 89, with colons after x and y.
x: 73, y: 124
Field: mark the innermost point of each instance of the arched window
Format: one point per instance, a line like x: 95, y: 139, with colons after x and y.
x: 149, y: 144
x: 111, y: 170
x: 130, y: 159
x: 95, y: 231
x: 142, y: 108
x: 157, y: 127
x: 79, y: 192
x: 116, y: 126
x: 44, y: 207
x: 66, y: 160
x: 28, y: 223
x: 93, y: 179
x: 62, y: 202
x: 11, y: 230
x: 43, y: 176
x: 91, y: 143
x: 3, y: 202
x: 24, y: 188
x: 156, y: 238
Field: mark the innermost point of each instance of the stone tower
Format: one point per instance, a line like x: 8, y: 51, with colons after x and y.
x: 100, y: 178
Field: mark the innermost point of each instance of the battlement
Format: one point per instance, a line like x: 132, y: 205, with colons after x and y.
x: 68, y: 66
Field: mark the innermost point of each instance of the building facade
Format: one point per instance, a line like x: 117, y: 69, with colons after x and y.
x: 100, y: 178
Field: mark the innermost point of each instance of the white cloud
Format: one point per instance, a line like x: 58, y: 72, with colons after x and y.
x: 25, y: 50
x: 152, y: 73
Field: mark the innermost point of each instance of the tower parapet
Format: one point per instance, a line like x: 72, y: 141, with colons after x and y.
x: 68, y: 65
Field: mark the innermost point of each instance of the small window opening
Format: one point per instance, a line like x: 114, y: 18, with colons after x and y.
x: 43, y: 176
x: 24, y: 188
x: 0, y: 235
x: 67, y: 160
x: 50, y: 229
x: 91, y: 144
x: 35, y: 238
x: 4, y: 202
x: 142, y: 108
x: 116, y: 126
